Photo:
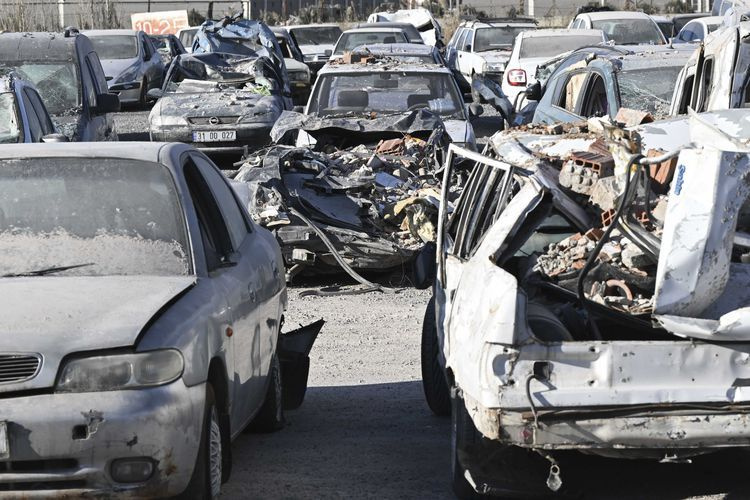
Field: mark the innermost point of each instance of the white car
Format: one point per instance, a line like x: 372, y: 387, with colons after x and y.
x: 538, y: 46
x: 316, y: 41
x: 420, y: 18
x: 483, y: 48
x: 624, y: 27
x: 186, y: 36
x: 351, y: 39
x: 697, y: 30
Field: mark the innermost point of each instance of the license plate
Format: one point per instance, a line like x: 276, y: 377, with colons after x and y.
x: 4, y: 444
x: 214, y: 135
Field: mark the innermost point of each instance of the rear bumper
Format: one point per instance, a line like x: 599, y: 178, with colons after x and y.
x: 63, y: 445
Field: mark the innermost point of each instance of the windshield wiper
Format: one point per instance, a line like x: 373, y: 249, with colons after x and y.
x: 43, y: 272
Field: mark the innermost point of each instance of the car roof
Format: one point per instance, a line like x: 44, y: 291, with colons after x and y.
x: 393, y: 65
x: 708, y: 20
x: 144, y: 151
x: 550, y: 32
x: 109, y: 32
x: 615, y: 14
x: 39, y: 46
x: 323, y: 25
x: 373, y: 30
x: 499, y: 22
x: 415, y: 49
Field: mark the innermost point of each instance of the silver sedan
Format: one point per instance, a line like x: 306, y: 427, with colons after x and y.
x: 141, y: 322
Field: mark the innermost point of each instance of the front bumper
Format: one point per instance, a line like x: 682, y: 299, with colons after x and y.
x: 252, y: 135
x: 62, y: 445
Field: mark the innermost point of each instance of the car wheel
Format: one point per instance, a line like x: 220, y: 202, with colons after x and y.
x: 433, y: 377
x: 205, y: 483
x: 270, y: 418
x: 463, y: 434
x: 144, y: 91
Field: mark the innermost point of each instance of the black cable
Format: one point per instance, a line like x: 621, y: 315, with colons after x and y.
x: 605, y: 237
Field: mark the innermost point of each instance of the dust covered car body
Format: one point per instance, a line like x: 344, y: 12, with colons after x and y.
x: 612, y: 312
x: 221, y: 103
x: 67, y: 72
x: 141, y: 320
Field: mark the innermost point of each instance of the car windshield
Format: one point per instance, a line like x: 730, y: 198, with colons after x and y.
x: 121, y: 216
x: 57, y: 83
x: 542, y: 46
x: 191, y: 75
x: 350, y: 41
x: 324, y: 35
x: 386, y: 92
x: 648, y: 89
x: 499, y: 38
x: 10, y: 132
x: 115, y: 46
x: 630, y: 31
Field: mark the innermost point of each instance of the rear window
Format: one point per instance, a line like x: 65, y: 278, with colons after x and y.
x: 538, y: 46
x: 630, y: 31
x: 115, y: 46
x: 499, y: 38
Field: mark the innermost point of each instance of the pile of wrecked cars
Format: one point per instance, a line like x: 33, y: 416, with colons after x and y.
x: 354, y: 181
x: 590, y: 293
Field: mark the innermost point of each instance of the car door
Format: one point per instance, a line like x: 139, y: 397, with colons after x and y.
x: 560, y: 102
x: 102, y: 125
x: 465, y: 55
x: 153, y: 66
x: 255, y: 299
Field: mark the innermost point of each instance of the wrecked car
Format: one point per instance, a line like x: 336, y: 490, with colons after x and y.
x: 140, y: 334
x: 420, y: 18
x: 168, y: 47
x: 23, y: 116
x: 67, y: 72
x: 363, y: 197
x: 221, y: 103
x: 132, y: 66
x: 590, y: 295
x: 244, y: 37
x: 405, y: 52
x: 316, y: 41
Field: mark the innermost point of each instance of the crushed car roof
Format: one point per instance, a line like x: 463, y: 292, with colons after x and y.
x: 36, y: 46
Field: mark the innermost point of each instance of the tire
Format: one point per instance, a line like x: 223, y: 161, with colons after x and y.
x: 208, y: 474
x: 435, y: 387
x: 463, y: 434
x: 270, y: 418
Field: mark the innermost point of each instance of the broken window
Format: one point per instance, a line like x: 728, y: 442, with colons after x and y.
x: 648, y: 89
x: 572, y: 90
x: 121, y: 216
x: 706, y: 83
x: 57, y: 83
x: 10, y: 131
x: 386, y: 92
x: 595, y: 103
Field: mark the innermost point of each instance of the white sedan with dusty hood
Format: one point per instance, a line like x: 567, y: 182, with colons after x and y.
x: 141, y: 323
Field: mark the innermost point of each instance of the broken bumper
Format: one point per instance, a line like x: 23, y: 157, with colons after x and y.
x: 65, y: 444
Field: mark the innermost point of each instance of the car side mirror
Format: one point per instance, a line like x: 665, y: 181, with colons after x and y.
x: 534, y: 91
x: 425, y: 266
x: 54, y: 138
x: 154, y: 94
x: 107, y: 103
x: 468, y: 48
x: 475, y: 109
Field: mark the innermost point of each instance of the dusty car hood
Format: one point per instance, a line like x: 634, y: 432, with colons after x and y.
x: 57, y: 315
x: 113, y: 67
x: 225, y: 103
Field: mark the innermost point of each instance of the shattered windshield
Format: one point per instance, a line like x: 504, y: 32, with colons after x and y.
x: 324, y: 35
x: 648, y: 89
x: 10, y: 131
x: 191, y: 75
x: 115, y: 46
x: 57, y: 83
x: 630, y: 31
x: 496, y: 38
x: 350, y: 41
x: 386, y: 92
x: 537, y: 46
x: 122, y: 216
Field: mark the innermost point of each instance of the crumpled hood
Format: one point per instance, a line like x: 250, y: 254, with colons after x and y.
x: 55, y: 316
x: 224, y: 103
x: 113, y: 67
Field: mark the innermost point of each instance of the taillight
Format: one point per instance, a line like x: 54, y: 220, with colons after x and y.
x: 517, y: 77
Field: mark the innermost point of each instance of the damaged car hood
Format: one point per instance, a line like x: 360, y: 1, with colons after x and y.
x: 55, y: 316
x: 239, y: 103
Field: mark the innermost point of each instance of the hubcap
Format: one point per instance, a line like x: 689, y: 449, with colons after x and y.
x: 214, y: 454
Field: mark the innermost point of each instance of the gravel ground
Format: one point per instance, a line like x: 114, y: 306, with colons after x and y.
x: 364, y: 430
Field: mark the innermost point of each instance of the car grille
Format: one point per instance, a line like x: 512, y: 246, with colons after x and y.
x: 18, y: 367
x: 206, y: 120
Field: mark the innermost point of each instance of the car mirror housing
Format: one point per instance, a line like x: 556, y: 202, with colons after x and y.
x: 534, y: 91
x: 154, y: 94
x: 475, y: 109
x: 107, y: 103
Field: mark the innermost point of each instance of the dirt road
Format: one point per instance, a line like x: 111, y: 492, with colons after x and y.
x: 364, y: 430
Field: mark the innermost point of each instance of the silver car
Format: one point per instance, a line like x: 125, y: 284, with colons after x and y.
x: 141, y: 319
x: 131, y: 63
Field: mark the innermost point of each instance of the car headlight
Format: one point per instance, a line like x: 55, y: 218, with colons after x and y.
x: 308, y: 58
x: 299, y: 76
x: 121, y: 371
x: 159, y: 120
x: 130, y: 74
